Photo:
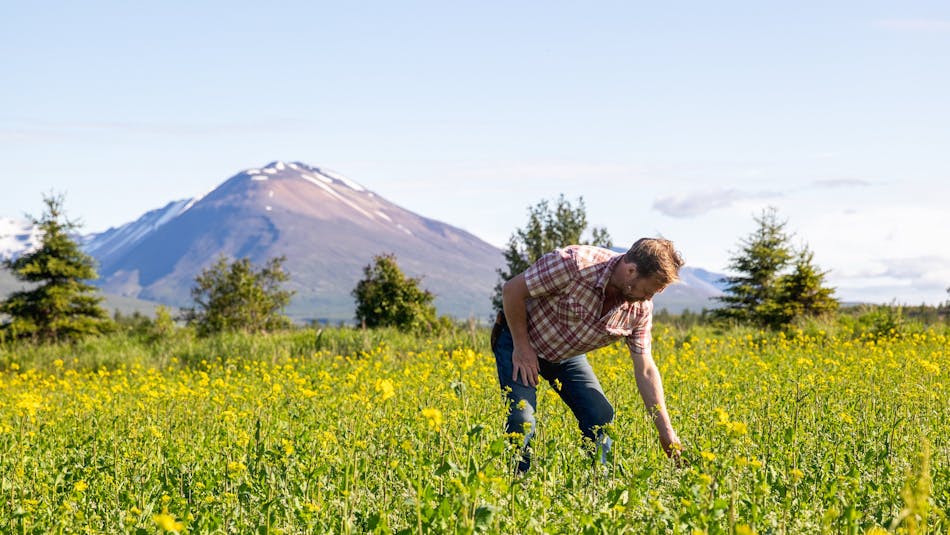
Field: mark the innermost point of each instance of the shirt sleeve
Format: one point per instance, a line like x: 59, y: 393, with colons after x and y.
x: 551, y: 274
x: 641, y: 339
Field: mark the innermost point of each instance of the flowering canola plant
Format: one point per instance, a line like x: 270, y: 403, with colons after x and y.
x: 782, y: 434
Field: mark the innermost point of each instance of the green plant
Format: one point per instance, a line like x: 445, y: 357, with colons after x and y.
x: 60, y: 304
x: 386, y: 297
x: 234, y: 296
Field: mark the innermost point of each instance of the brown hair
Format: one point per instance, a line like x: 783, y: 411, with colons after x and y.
x: 655, y: 256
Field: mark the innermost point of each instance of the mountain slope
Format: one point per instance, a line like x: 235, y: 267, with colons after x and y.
x: 109, y: 245
x: 328, y: 228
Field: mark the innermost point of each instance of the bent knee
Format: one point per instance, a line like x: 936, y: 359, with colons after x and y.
x: 600, y: 413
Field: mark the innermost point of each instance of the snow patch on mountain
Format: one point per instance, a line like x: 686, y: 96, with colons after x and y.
x: 17, y: 237
x: 344, y: 200
x: 337, y: 176
x: 316, y: 179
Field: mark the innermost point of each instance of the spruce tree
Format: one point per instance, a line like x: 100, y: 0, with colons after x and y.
x: 59, y: 305
x: 547, y: 229
x: 775, y: 284
x: 803, y: 292
x: 749, y: 295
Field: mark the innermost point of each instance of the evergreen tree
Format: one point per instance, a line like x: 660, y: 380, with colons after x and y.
x: 749, y: 296
x: 60, y: 305
x: 233, y: 296
x: 802, y: 292
x: 775, y: 284
x: 546, y: 230
x: 385, y: 297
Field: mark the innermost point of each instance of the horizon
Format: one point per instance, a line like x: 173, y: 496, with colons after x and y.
x: 684, y: 123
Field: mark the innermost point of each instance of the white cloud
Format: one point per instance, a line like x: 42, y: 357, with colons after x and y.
x: 882, y: 253
x: 698, y: 203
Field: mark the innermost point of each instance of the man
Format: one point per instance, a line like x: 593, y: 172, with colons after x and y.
x: 571, y: 301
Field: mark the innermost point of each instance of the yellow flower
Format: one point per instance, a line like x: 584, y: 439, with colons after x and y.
x: 737, y: 428
x: 434, y: 417
x: 722, y: 416
x: 168, y: 523
x: 708, y: 455
x: 80, y: 486
x: 236, y: 468
x: 797, y: 474
x: 385, y: 389
x: 289, y: 448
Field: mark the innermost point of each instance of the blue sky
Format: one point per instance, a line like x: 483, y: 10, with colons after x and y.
x: 683, y: 119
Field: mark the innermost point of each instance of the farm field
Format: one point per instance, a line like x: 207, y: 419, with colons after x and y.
x: 783, y: 433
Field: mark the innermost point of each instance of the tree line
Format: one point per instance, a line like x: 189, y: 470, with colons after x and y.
x: 772, y: 285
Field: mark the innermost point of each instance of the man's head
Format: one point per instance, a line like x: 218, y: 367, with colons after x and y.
x: 648, y: 267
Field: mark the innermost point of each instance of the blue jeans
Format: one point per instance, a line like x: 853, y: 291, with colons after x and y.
x: 579, y: 389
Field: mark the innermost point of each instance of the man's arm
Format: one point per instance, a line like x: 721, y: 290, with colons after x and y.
x: 514, y: 295
x: 650, y: 385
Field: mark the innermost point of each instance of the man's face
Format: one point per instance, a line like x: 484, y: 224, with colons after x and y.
x: 640, y: 288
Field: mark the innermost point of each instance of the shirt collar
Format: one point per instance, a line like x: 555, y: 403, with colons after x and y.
x: 604, y: 276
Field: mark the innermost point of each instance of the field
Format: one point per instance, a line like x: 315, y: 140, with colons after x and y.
x: 289, y: 433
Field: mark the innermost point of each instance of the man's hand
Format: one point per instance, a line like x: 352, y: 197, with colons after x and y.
x: 671, y: 445
x: 525, y: 363
x: 673, y: 449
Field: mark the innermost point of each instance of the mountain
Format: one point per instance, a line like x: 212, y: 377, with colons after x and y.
x: 692, y: 292
x: 17, y: 237
x: 327, y: 226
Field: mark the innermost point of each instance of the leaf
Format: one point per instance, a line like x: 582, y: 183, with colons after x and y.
x: 497, y: 446
x: 447, y: 466
x: 483, y: 516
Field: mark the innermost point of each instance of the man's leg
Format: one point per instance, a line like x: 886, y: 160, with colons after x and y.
x: 522, y: 399
x: 581, y: 391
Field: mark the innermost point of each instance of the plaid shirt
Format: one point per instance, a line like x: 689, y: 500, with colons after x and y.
x: 567, y: 295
